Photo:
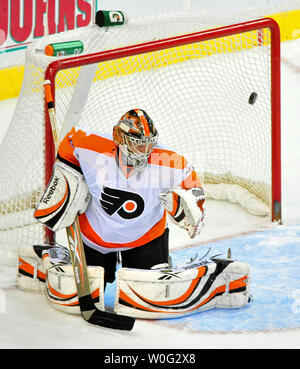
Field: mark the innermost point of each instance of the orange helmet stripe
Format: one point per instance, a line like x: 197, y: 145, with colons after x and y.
x: 146, y: 126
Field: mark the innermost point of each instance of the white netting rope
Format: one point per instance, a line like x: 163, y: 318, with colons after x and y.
x: 198, y: 98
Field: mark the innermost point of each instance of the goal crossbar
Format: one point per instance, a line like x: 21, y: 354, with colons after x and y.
x: 191, y: 38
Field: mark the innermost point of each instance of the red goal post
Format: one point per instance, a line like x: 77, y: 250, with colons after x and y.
x: 257, y: 25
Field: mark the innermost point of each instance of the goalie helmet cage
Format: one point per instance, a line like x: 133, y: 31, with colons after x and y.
x: 214, y: 96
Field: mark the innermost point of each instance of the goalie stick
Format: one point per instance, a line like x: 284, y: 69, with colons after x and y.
x: 88, y: 310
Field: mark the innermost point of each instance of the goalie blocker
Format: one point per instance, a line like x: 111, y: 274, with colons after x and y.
x: 66, y: 195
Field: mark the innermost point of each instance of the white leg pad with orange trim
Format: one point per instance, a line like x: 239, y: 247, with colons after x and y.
x: 171, y: 293
x: 49, y: 275
x: 33, y: 263
x: 31, y: 273
x: 61, y: 289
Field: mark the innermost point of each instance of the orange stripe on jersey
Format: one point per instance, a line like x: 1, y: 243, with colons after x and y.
x: 191, y: 181
x: 66, y: 149
x: 96, y: 143
x: 167, y: 158
x: 156, y: 231
x: 80, y: 139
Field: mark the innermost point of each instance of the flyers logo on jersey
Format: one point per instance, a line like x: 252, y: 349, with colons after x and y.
x: 128, y: 205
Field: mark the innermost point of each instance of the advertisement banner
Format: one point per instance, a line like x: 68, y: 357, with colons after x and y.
x: 22, y: 21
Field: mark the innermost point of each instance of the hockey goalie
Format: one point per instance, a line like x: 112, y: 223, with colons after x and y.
x: 123, y: 187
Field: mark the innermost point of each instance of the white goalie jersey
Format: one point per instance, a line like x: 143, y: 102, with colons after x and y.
x: 125, y: 210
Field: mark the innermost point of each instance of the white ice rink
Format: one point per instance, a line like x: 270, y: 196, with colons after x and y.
x: 27, y: 320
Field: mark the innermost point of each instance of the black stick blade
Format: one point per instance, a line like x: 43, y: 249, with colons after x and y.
x: 110, y: 320
x: 105, y: 319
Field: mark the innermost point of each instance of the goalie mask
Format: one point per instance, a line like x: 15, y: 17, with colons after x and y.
x: 136, y: 136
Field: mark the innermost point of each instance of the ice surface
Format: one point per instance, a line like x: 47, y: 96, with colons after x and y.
x: 273, y: 253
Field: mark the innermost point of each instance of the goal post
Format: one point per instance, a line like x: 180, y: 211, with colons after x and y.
x: 213, y: 94
x: 175, y: 42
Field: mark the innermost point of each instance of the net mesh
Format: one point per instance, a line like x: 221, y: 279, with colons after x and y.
x: 197, y: 95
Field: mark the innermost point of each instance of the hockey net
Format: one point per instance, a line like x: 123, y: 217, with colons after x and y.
x: 214, y: 96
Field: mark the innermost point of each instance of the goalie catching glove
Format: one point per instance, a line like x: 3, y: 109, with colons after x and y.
x: 186, y: 208
x: 66, y: 195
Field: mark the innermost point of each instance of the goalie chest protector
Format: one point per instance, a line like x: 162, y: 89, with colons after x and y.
x: 125, y: 210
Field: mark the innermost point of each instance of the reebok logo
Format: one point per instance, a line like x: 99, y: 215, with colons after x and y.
x: 51, y: 190
x: 128, y: 205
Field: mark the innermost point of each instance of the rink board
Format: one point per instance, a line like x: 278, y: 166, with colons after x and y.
x: 274, y: 257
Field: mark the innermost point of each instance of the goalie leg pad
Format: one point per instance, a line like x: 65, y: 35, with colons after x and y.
x: 48, y: 272
x: 31, y: 274
x: 61, y: 288
x: 33, y: 263
x: 171, y: 293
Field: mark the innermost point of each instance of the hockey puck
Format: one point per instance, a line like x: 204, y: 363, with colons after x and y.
x: 252, y: 98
